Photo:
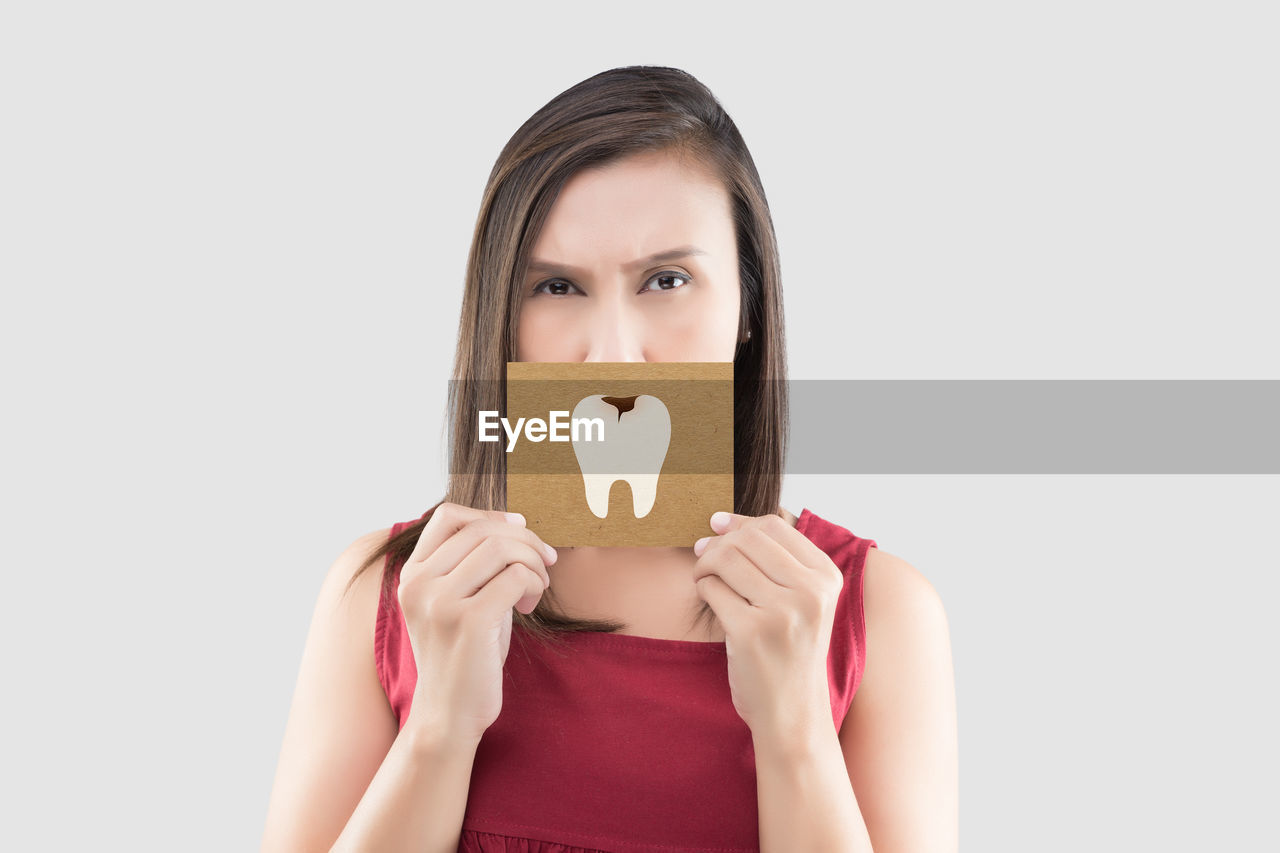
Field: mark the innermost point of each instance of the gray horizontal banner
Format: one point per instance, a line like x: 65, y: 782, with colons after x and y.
x: 999, y: 426
x: 1034, y: 427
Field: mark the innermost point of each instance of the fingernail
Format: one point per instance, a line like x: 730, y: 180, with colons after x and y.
x: 719, y: 521
x: 700, y: 545
x: 515, y: 518
x: 550, y: 552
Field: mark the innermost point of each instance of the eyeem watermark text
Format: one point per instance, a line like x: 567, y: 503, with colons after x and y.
x: 536, y: 429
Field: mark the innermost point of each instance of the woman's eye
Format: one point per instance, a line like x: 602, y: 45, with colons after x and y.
x: 669, y: 280
x: 554, y: 287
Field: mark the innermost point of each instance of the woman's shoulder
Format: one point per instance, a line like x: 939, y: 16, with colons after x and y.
x: 891, y: 588
x: 904, y: 617
x: 892, y: 585
x: 352, y: 587
x: 842, y: 545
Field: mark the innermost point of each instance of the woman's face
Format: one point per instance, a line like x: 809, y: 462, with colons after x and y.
x: 595, y: 290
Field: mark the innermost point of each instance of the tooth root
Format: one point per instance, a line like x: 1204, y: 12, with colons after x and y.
x: 644, y: 491
x: 598, y: 486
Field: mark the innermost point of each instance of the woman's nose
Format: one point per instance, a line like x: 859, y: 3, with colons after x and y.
x: 615, y: 333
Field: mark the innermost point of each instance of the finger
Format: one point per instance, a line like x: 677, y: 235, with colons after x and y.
x: 779, y: 564
x: 512, y: 584
x: 778, y: 529
x: 723, y: 522
x: 528, y: 602
x: 489, y: 559
x: 447, y: 519
x: 776, y: 562
x: 728, y: 606
x: 726, y: 559
x: 466, y: 540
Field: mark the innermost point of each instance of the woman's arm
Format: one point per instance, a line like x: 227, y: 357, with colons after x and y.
x: 347, y: 777
x: 899, y: 738
x: 805, y: 800
x: 418, y: 797
x: 888, y: 782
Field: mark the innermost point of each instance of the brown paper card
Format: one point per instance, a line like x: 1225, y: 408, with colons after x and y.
x: 545, y: 480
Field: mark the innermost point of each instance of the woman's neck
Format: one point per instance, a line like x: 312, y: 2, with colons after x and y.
x: 649, y: 589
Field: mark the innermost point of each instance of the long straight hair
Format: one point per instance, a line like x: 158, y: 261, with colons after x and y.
x: 607, y: 117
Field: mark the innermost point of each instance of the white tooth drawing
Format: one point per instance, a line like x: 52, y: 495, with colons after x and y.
x: 637, y: 433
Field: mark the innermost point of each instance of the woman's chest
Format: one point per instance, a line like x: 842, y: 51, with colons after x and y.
x: 645, y: 750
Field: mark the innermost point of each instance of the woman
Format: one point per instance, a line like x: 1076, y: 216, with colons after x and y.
x: 656, y: 698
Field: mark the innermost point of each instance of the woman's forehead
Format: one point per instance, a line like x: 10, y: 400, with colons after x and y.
x: 635, y: 207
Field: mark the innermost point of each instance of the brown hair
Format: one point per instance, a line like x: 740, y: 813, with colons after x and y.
x: 604, y: 118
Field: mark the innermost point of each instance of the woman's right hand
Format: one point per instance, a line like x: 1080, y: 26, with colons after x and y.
x: 469, y: 568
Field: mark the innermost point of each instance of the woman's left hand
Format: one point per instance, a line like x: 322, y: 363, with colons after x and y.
x: 775, y: 593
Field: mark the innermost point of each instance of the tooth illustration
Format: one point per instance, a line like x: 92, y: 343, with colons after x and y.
x: 637, y: 431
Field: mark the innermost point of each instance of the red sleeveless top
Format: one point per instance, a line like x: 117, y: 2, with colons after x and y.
x: 622, y: 743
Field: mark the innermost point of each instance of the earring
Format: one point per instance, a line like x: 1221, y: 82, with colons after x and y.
x: 748, y: 334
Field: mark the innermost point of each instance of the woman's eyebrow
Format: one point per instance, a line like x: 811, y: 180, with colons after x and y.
x: 662, y: 257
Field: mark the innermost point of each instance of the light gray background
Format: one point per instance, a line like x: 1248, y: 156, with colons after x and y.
x: 233, y: 238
